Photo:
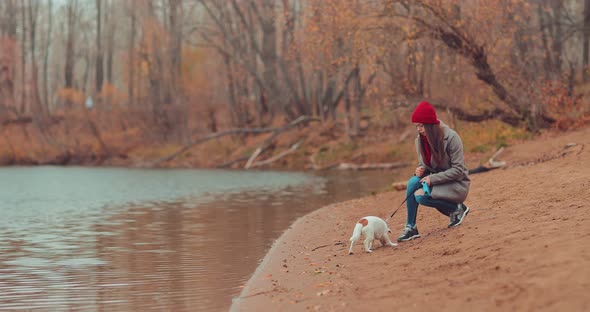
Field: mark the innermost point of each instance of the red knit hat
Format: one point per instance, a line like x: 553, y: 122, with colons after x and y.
x: 425, y: 114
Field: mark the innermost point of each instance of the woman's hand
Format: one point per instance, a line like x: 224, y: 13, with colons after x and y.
x: 426, y: 179
x: 419, y: 171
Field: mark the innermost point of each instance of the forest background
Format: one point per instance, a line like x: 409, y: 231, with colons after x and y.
x: 289, y: 84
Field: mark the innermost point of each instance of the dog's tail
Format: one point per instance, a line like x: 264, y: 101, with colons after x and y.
x: 356, y: 234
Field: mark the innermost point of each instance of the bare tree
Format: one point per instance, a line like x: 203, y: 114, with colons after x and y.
x: 111, y: 23
x: 436, y: 23
x: 33, y: 13
x: 48, y: 40
x: 23, y: 59
x: 8, y: 18
x: 8, y: 35
x: 586, y: 41
x: 175, y: 42
x: 131, y: 53
x: 99, y: 65
x: 71, y: 21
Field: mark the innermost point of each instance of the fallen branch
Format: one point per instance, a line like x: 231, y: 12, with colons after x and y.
x: 491, y: 164
x: 350, y: 166
x: 279, y: 156
x: 261, y: 148
x: 492, y: 161
x: 267, y: 143
x: 217, y: 135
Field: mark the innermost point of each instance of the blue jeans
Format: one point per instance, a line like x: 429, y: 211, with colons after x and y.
x: 443, y: 206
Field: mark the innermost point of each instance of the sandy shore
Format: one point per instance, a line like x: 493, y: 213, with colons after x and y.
x: 525, y: 246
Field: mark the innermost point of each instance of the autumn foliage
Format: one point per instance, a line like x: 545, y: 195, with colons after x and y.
x: 170, y: 71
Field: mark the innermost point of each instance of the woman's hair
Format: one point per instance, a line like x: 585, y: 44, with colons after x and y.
x: 435, y: 136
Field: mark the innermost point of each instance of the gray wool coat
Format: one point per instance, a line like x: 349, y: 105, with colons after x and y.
x: 449, y: 180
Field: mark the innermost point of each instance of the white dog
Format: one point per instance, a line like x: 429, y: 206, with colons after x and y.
x: 373, y: 228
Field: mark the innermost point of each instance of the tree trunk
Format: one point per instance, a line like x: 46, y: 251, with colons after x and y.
x: 131, y: 52
x: 9, y: 24
x: 476, y: 55
x: 156, y: 72
x: 357, y: 98
x: 557, y: 37
x: 111, y: 24
x: 36, y: 97
x: 547, y: 60
x: 23, y: 59
x: 48, y: 39
x: 423, y: 66
x: 269, y: 57
x: 70, y: 43
x: 236, y: 115
x: 99, y: 69
x: 411, y: 69
x: 175, y: 43
x: 317, y: 95
x: 286, y: 64
x: 586, y: 41
x: 87, y: 66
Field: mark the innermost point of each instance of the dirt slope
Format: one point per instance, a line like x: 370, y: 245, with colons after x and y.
x: 525, y: 246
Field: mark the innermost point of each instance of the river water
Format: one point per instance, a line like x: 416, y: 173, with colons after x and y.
x: 112, y: 239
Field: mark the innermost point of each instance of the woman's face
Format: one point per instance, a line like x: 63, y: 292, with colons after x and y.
x: 420, y: 128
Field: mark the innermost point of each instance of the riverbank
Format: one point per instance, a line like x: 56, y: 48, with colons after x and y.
x: 525, y: 246
x: 97, y: 140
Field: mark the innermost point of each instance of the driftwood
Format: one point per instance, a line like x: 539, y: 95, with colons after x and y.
x: 301, y: 119
x: 351, y: 166
x: 491, y: 164
x: 369, y: 166
x: 279, y: 156
x: 263, y: 162
x: 267, y: 143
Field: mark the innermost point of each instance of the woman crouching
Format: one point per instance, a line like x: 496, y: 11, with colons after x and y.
x: 441, y: 166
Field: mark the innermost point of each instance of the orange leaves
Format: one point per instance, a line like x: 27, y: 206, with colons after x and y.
x: 559, y: 101
x: 112, y: 95
x: 339, y: 33
x: 556, y: 97
x: 72, y: 96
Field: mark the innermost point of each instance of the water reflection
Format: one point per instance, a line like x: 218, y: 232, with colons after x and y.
x: 174, y: 255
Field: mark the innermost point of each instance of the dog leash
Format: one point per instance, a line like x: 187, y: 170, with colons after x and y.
x: 426, y: 191
x: 393, y: 214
